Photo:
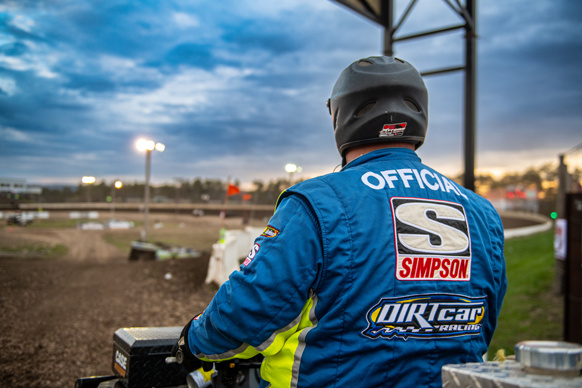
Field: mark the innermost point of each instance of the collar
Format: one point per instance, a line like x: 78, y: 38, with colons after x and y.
x: 384, y: 153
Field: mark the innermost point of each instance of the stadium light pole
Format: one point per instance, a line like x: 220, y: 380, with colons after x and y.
x: 291, y: 169
x: 88, y: 181
x: 116, y: 186
x: 147, y: 146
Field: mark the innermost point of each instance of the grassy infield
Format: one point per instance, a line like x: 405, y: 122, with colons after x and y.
x: 531, y: 310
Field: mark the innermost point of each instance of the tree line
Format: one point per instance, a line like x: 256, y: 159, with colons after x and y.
x: 543, y: 179
x: 182, y: 191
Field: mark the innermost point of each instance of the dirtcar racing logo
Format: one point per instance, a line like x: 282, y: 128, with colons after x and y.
x: 391, y: 130
x: 432, y: 240
x: 425, y: 316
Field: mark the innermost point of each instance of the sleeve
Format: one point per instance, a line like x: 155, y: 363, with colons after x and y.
x: 261, y: 304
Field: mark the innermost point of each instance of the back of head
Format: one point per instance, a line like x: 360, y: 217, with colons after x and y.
x: 379, y: 100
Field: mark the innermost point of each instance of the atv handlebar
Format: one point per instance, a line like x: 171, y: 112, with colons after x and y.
x: 142, y: 358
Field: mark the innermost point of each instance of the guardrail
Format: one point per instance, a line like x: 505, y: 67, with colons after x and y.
x: 537, y: 223
x: 231, y: 209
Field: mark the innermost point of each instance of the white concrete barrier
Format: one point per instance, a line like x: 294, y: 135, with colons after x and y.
x: 77, y: 215
x: 527, y: 230
x: 29, y: 215
x: 543, y: 223
x: 226, y: 256
x: 42, y: 215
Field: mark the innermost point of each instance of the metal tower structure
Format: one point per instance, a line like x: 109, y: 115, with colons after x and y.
x: 382, y: 12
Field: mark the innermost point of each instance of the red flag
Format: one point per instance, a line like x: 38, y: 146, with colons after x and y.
x: 232, y: 190
x: 247, y: 197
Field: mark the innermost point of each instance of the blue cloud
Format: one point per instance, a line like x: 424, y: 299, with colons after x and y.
x: 191, y: 54
x: 268, y: 35
x: 13, y: 49
x: 215, y: 80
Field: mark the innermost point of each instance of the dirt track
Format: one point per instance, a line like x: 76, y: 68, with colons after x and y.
x: 83, y: 245
x: 58, y: 316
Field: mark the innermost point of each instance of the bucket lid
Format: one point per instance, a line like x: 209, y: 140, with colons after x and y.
x: 549, y: 355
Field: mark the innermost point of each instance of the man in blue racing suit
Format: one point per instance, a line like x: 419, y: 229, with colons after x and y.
x: 374, y: 276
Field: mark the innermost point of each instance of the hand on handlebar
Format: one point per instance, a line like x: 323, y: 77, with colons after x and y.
x: 181, y: 351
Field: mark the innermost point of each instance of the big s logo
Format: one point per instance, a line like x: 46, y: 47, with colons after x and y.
x: 432, y: 240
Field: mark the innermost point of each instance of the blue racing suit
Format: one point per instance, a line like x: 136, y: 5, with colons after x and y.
x: 375, y: 276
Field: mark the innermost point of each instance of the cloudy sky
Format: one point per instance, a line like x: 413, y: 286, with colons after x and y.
x: 237, y: 88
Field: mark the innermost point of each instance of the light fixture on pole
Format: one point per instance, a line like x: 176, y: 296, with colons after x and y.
x: 88, y: 180
x: 116, y: 186
x: 291, y: 169
x: 148, y: 146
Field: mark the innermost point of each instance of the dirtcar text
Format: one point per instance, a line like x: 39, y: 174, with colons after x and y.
x: 425, y: 316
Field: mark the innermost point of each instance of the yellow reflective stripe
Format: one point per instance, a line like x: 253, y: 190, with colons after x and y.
x: 277, y: 342
x: 279, y: 198
x: 280, y: 350
x: 278, y: 366
x: 244, y: 351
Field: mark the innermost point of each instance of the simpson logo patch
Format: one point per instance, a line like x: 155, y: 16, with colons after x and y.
x: 425, y: 316
x: 391, y: 130
x: 432, y: 240
x: 270, y: 232
x: 252, y: 254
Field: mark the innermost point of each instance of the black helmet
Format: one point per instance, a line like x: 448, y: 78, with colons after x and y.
x: 376, y: 100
